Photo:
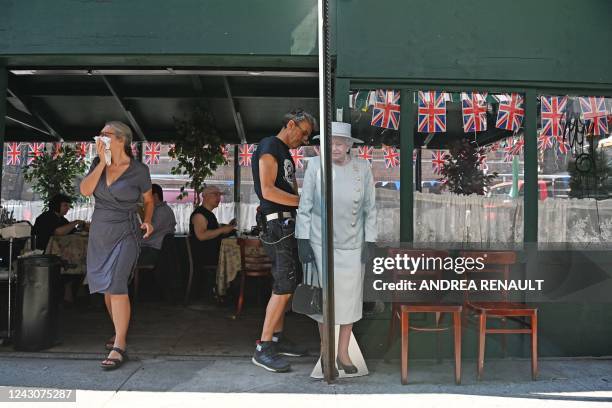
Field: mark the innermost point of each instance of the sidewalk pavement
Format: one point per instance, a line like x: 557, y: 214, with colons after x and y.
x: 148, y: 380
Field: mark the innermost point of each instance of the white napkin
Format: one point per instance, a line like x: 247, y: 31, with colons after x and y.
x: 107, y: 153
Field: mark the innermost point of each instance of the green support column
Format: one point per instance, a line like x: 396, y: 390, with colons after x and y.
x: 406, y: 170
x: 531, y: 169
x: 3, y: 90
x: 341, y: 98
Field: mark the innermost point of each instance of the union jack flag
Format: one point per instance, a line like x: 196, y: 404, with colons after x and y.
x: 57, y: 150
x: 366, y: 153
x: 226, y: 151
x: 35, y: 150
x: 432, y: 112
x: 135, y: 149
x: 552, y: 114
x: 510, y: 113
x: 515, y: 147
x: 245, y: 153
x: 13, y: 154
x: 392, y: 156
x: 482, y: 161
x: 386, y: 112
x: 545, y: 141
x: 82, y: 149
x: 298, y: 157
x: 474, y: 109
x: 152, y: 153
x: 438, y: 158
x: 562, y: 145
x: 593, y: 110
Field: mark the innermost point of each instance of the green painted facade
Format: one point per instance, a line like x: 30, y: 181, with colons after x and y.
x: 525, y: 46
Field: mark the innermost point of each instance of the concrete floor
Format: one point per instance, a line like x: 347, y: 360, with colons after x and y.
x: 199, y: 355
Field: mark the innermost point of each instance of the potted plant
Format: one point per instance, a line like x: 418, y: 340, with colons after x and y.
x: 55, y: 172
x: 198, y: 150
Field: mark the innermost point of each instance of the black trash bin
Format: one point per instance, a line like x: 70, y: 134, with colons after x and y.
x: 37, y: 306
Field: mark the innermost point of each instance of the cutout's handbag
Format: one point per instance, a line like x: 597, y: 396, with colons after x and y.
x: 308, y: 298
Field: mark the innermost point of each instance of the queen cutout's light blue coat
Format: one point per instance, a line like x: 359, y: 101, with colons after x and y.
x: 354, y: 223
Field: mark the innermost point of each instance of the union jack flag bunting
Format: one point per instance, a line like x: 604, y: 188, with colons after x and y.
x: 82, y: 149
x: 392, y: 156
x: 510, y: 113
x: 152, y: 153
x: 482, y: 161
x: 432, y: 112
x: 562, y: 145
x: 545, y: 142
x: 593, y: 110
x: 226, y: 151
x: 13, y: 154
x: 135, y: 149
x: 245, y: 154
x: 365, y: 153
x: 438, y: 158
x: 552, y: 114
x: 57, y: 150
x: 35, y: 150
x: 298, y: 157
x: 386, y: 112
x: 515, y: 147
x: 474, y: 109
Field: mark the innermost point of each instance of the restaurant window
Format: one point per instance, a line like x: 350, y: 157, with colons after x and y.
x: 574, y: 170
x: 375, y: 119
x: 469, y: 168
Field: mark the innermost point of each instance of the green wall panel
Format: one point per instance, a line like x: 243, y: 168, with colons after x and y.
x: 544, y: 40
x: 243, y: 27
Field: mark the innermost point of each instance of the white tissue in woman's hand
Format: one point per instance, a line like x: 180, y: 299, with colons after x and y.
x: 107, y: 154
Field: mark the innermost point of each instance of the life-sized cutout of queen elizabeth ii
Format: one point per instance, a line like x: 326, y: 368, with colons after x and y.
x: 355, y: 231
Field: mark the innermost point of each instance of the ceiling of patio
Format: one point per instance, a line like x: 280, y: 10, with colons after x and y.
x: 73, y: 105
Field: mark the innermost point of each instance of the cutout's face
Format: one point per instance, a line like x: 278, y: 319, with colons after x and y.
x: 339, y: 148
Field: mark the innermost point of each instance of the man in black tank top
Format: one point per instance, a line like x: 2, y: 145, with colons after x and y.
x: 276, y: 187
x: 205, y: 232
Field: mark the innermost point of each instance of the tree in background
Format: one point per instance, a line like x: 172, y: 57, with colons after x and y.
x: 55, y: 172
x: 461, y: 173
x: 198, y: 150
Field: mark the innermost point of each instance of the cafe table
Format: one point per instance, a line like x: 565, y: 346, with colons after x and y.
x: 72, y: 248
x: 230, y: 261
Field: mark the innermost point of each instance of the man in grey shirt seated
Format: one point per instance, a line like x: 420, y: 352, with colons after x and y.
x: 164, y: 223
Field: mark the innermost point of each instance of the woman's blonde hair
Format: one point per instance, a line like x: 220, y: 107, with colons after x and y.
x: 124, y: 132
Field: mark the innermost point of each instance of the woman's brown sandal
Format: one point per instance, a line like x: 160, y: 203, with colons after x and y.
x: 110, y: 343
x: 115, y: 362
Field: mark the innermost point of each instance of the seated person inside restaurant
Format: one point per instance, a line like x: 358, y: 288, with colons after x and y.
x: 164, y: 223
x: 54, y: 223
x: 205, y: 232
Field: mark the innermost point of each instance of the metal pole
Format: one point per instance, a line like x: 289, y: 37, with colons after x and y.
x: 3, y: 91
x: 236, y: 187
x: 327, y: 233
x: 406, y: 168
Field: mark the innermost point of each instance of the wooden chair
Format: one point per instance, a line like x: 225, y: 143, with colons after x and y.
x: 206, y: 269
x: 253, y: 264
x: 400, y: 311
x: 501, y: 263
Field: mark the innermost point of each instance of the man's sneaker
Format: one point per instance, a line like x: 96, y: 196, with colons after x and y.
x: 266, y: 356
x: 286, y: 347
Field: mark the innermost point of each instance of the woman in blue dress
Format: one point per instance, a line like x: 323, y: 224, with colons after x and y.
x: 115, y: 232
